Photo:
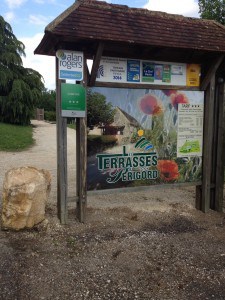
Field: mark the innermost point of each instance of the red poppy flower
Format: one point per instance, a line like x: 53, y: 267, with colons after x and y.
x: 169, y: 92
x: 178, y: 98
x: 168, y: 170
x: 151, y: 105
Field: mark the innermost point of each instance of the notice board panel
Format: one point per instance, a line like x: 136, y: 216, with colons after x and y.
x: 146, y: 142
x: 123, y: 70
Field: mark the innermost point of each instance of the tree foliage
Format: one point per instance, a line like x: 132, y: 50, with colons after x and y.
x: 99, y: 112
x: 20, y: 87
x: 47, y: 100
x: 213, y: 10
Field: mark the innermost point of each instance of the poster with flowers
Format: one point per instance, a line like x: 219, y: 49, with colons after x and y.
x: 143, y: 135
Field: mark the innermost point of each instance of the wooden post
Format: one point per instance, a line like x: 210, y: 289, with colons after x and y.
x: 207, y: 193
x: 207, y: 144
x: 198, y: 197
x: 61, y: 127
x: 212, y: 71
x: 219, y: 176
x: 81, y: 141
x: 81, y: 160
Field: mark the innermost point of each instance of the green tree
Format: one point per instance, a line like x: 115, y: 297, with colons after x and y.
x: 213, y: 10
x: 99, y: 112
x: 20, y: 87
x: 47, y: 100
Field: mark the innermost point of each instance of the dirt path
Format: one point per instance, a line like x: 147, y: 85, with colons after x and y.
x: 42, y: 155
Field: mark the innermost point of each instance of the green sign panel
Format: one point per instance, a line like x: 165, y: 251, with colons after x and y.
x: 73, y: 100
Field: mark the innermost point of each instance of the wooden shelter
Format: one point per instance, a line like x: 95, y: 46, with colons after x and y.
x: 100, y: 29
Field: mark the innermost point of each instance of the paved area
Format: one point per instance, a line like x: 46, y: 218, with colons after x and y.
x: 43, y: 156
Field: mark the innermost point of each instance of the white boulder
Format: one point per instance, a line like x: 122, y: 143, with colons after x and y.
x: 25, y: 193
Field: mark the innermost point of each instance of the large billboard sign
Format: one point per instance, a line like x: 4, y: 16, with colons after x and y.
x: 155, y: 137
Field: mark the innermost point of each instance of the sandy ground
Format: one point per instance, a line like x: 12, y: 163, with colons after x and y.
x: 149, y: 245
x: 42, y: 155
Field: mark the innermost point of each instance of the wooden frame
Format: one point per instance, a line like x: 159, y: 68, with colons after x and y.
x: 90, y: 28
x: 209, y: 192
x: 220, y: 155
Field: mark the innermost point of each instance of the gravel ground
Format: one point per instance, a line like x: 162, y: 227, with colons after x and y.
x: 147, y: 245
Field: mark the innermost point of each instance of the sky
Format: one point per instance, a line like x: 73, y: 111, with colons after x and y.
x: 28, y: 19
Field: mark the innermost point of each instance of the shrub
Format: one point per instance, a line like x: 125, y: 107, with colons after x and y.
x: 50, y: 116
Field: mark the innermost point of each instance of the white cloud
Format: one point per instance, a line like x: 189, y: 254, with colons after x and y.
x: 45, y: 65
x: 188, y: 8
x: 15, y: 3
x: 38, y: 20
x: 9, y: 16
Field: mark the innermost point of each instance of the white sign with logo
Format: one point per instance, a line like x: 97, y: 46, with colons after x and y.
x: 71, y: 64
x: 112, y: 69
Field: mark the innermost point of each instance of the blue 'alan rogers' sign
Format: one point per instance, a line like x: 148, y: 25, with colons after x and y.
x: 71, y: 65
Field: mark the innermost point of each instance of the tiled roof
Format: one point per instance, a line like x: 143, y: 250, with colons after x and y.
x: 90, y: 20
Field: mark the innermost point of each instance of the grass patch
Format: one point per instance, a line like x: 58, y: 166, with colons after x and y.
x: 15, y: 138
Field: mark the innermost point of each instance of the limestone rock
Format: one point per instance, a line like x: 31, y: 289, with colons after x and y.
x: 25, y: 193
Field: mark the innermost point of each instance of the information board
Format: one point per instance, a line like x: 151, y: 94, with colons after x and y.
x: 122, y: 70
x: 190, y: 130
x: 154, y: 137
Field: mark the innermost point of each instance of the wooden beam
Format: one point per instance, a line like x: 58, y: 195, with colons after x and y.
x: 88, y: 75
x: 198, y: 197
x: 144, y: 86
x: 81, y: 166
x: 207, y: 144
x: 220, y: 149
x: 81, y: 161
x: 149, y: 51
x: 96, y: 62
x: 61, y: 128
x: 206, y: 195
x: 212, y: 70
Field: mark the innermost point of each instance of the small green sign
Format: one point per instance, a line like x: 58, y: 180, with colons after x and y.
x: 73, y: 100
x: 166, y: 73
